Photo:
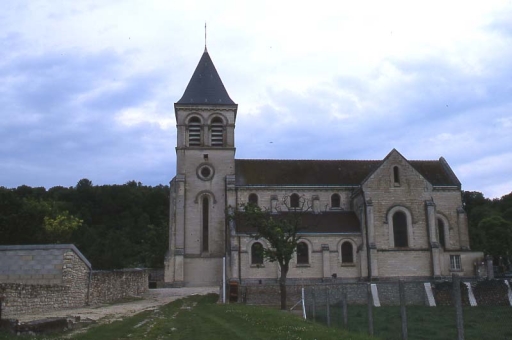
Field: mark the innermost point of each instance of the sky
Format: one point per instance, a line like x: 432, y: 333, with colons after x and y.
x: 87, y: 87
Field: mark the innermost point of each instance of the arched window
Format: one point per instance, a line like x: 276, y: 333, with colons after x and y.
x: 302, y: 253
x: 335, y: 201
x: 217, y: 132
x: 206, y: 213
x: 400, y: 229
x: 440, y: 232
x: 257, y: 253
x: 347, y: 252
x: 294, y: 201
x: 194, y: 132
x: 253, y: 199
x: 396, y: 175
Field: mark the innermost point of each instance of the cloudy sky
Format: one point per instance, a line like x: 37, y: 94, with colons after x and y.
x: 87, y: 87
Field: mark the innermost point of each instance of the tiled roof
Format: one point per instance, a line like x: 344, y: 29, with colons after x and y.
x: 302, y: 172
x: 436, y: 172
x: 327, y: 222
x: 205, y: 86
x: 328, y: 172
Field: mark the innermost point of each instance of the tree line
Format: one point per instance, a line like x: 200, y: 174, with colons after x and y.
x: 490, y: 225
x: 114, y: 226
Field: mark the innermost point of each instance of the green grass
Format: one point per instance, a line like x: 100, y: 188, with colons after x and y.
x: 427, y: 323
x: 200, y: 317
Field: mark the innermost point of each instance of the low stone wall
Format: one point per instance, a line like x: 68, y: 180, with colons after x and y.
x: 109, y: 286
x: 357, y: 293
x: 105, y: 287
x: 22, y: 298
x: 490, y: 293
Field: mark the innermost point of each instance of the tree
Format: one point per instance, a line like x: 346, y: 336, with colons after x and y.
x: 60, y: 228
x: 281, y: 230
x: 498, y: 235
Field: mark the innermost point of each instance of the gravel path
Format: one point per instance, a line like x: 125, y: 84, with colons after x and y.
x: 108, y: 313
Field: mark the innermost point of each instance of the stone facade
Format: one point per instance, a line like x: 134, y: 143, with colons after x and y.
x: 39, y: 278
x: 392, y: 218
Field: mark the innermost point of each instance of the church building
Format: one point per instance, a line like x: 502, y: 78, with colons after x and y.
x: 367, y: 219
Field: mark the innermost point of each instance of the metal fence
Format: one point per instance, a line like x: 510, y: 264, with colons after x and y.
x: 354, y: 306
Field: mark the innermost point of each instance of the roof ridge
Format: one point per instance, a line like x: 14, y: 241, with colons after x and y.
x: 312, y: 160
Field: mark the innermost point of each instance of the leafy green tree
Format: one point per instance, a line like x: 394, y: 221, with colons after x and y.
x: 281, y: 230
x: 498, y: 235
x: 60, y: 228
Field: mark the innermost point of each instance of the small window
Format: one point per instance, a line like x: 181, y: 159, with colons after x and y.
x: 194, y: 132
x: 302, y: 253
x: 400, y: 229
x: 253, y: 199
x: 347, y: 252
x: 335, y: 201
x: 217, y: 132
x: 294, y: 201
x: 440, y: 231
x: 396, y: 175
x: 257, y: 253
x: 455, y: 262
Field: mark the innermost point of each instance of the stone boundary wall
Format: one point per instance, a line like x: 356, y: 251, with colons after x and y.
x: 489, y: 292
x: 109, y: 286
x: 105, y: 287
x: 356, y: 293
x: 21, y: 298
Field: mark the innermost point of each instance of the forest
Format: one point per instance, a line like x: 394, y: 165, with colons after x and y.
x: 126, y: 226
x: 114, y: 226
x: 490, y: 225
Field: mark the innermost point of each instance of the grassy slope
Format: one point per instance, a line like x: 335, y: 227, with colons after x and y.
x: 199, y: 317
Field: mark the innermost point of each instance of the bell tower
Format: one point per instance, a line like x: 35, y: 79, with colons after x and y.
x: 205, y: 162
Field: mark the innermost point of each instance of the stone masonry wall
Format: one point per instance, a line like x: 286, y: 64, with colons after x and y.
x: 487, y: 293
x: 319, y: 294
x: 41, y: 280
x: 109, y: 286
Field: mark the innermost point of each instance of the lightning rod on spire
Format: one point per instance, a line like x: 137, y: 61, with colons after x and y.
x: 205, y: 49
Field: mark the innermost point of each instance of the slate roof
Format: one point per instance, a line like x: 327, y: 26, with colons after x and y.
x: 327, y: 222
x: 205, y: 86
x: 264, y: 172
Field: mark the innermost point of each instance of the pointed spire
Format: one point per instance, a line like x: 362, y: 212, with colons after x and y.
x: 205, y: 87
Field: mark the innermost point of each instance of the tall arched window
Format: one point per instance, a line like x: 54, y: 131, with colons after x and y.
x: 253, y: 199
x: 217, y: 132
x: 302, y: 253
x: 194, y: 132
x: 347, y: 252
x: 396, y: 175
x: 335, y: 201
x: 440, y: 232
x: 206, y: 215
x: 294, y: 201
x: 257, y: 253
x: 400, y: 229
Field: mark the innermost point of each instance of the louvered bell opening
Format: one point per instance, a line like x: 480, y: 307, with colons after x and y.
x: 217, y: 133
x: 194, y: 133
